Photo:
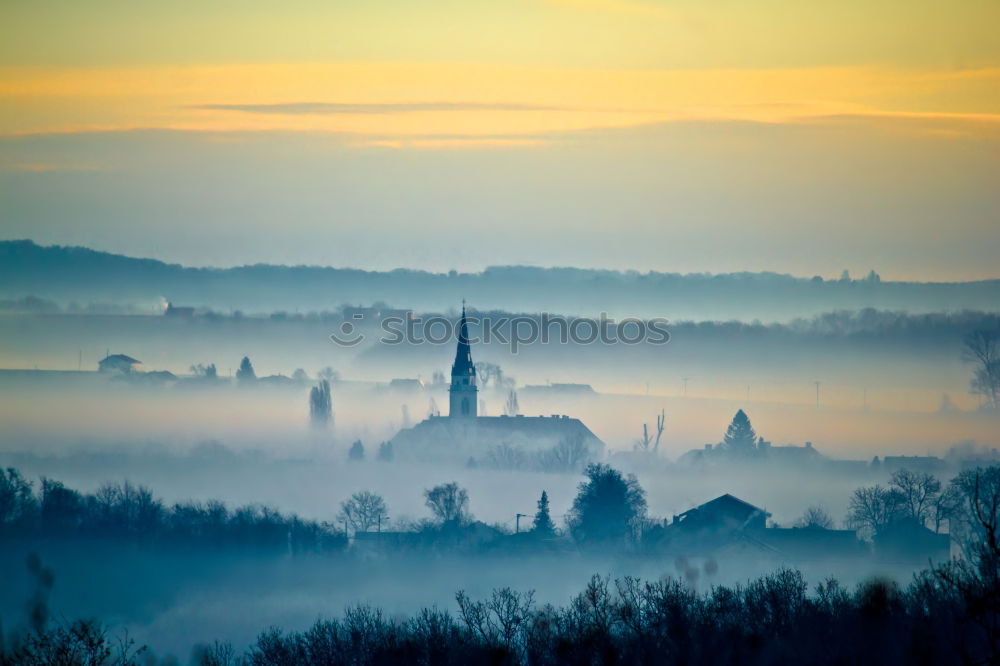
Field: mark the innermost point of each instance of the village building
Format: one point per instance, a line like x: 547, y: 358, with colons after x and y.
x: 465, y: 435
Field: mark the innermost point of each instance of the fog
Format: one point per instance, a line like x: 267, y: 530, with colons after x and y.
x: 890, y: 384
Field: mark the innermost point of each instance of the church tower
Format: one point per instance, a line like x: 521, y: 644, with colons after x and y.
x: 464, y: 395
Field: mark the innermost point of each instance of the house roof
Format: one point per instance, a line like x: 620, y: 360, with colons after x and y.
x: 728, y: 503
x: 119, y: 358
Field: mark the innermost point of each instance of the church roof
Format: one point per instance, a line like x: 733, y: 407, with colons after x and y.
x: 463, y: 352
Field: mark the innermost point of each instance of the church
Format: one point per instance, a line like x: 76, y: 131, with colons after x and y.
x: 556, y: 442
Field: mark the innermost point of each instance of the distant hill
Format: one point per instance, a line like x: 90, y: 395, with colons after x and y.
x: 82, y: 275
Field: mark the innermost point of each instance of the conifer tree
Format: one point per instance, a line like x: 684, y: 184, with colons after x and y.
x: 543, y: 525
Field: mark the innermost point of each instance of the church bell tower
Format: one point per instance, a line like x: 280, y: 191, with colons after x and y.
x: 464, y: 394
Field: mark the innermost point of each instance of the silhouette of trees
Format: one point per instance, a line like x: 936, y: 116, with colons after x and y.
x: 207, y: 372
x: 449, y: 503
x: 363, y: 511
x: 874, y: 508
x: 357, y: 451
x: 816, y: 517
x: 917, y: 492
x: 17, y: 502
x: 740, y: 436
x: 982, y: 348
x: 647, y: 443
x: 975, y: 511
x: 386, y: 452
x: 771, y: 620
x: 608, y: 507
x: 132, y: 514
x: 543, y: 526
x: 245, y: 373
x: 320, y: 404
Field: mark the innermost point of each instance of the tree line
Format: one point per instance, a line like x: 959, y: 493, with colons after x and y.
x: 131, y: 512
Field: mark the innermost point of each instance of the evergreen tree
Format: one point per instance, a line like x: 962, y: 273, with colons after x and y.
x: 245, y: 372
x: 543, y: 525
x: 740, y: 435
x: 386, y: 452
x: 357, y: 451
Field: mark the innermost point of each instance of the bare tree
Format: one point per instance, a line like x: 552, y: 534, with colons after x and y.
x: 646, y: 442
x: 363, y: 511
x: 917, y: 492
x: 816, y: 517
x: 982, y: 348
x: 448, y: 502
x: 873, y: 508
x: 660, y: 419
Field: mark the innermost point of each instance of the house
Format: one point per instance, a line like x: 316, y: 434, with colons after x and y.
x: 909, y: 541
x: 730, y: 527
x: 561, y: 389
x: 724, y: 513
x: 118, y: 363
x: 406, y: 385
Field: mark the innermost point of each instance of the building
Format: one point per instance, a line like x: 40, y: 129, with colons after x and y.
x: 118, y: 363
x: 730, y: 527
x: 509, y: 441
x: 463, y: 394
x: 175, y: 311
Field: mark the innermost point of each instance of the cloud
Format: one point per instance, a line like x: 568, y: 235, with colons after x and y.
x: 324, y: 108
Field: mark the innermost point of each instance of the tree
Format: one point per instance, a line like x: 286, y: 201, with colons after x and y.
x: 917, y: 493
x: 205, y: 371
x: 329, y: 374
x: 976, y: 511
x: 448, y: 503
x: 607, y: 507
x: 320, y: 404
x: 816, y: 517
x: 17, y: 503
x: 543, y: 526
x: 982, y: 348
x: 363, y: 511
x: 245, y: 372
x: 873, y: 508
x: 487, y: 372
x: 647, y: 441
x: 357, y: 451
x: 385, y: 452
x: 300, y: 375
x: 511, y: 408
x: 740, y: 435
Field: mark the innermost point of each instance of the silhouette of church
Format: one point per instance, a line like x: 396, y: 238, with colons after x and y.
x: 465, y: 435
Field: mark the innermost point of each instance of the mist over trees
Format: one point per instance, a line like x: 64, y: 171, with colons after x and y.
x: 982, y: 349
x: 74, y: 274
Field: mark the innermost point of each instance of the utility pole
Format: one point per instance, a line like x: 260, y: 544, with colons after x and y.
x: 517, y: 522
x: 685, y: 380
x: 864, y: 399
x: 817, y: 393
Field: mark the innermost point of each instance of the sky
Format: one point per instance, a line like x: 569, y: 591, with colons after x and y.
x: 635, y: 134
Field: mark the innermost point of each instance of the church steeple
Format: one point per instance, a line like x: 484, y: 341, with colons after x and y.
x: 464, y: 398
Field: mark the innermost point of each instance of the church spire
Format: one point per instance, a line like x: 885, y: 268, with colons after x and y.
x: 464, y: 392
